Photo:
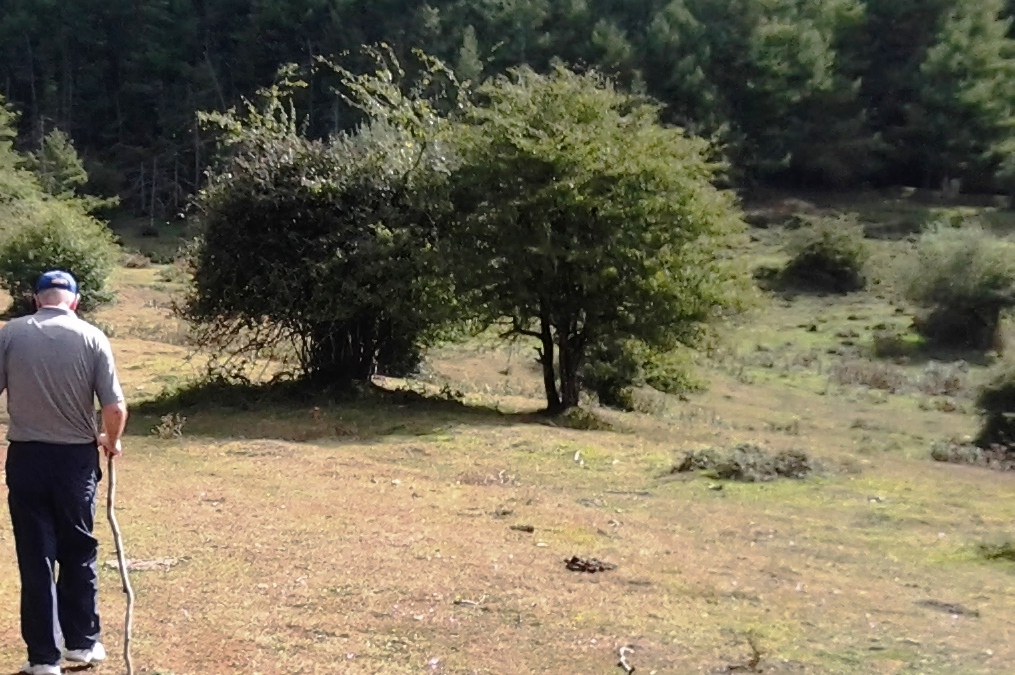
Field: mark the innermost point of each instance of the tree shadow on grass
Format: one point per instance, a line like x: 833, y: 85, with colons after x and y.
x: 295, y: 412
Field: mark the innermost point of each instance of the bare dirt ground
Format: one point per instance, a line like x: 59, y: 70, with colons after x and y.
x: 389, y: 535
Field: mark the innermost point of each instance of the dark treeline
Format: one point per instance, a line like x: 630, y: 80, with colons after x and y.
x: 835, y: 93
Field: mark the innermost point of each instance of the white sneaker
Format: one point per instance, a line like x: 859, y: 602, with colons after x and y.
x: 40, y: 669
x: 94, y: 655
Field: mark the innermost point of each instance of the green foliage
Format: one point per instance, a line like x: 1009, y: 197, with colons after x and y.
x: 588, y: 221
x: 965, y: 278
x: 996, y: 403
x: 39, y: 231
x: 614, y: 371
x: 967, y: 91
x: 57, y: 235
x: 611, y: 371
x: 323, y: 253
x: 828, y: 254
x: 470, y: 62
x: 16, y: 183
x: 836, y: 92
x: 799, y: 107
x: 60, y: 171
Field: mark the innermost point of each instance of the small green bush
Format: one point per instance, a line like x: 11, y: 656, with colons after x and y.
x: 996, y: 403
x: 964, y: 278
x: 57, y: 236
x: 828, y: 254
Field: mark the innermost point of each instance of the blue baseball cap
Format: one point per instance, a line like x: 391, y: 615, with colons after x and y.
x: 56, y: 279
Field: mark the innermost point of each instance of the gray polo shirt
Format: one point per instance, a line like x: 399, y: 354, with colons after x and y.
x: 53, y: 365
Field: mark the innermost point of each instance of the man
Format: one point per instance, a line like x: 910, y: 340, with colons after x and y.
x: 53, y: 365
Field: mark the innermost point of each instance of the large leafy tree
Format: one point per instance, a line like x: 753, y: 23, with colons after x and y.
x: 585, y: 221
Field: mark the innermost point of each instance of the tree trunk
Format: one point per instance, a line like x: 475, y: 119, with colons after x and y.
x: 553, y: 403
x: 341, y: 354
x: 570, y: 360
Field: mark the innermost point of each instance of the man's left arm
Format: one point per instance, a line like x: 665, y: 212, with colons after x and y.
x: 4, y: 340
x: 111, y: 398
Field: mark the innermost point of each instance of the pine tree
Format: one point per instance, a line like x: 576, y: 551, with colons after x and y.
x: 16, y: 184
x: 59, y: 169
x: 470, y: 63
x: 677, y: 56
x: 967, y: 93
x: 798, y: 108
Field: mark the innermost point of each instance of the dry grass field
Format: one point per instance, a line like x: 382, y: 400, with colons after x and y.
x: 410, y: 534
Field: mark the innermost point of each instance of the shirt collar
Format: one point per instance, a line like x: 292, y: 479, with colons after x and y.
x: 56, y: 310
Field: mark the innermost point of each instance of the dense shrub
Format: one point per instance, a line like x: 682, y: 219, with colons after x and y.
x: 613, y: 371
x: 996, y: 403
x: 828, y: 254
x: 964, y: 278
x: 747, y: 463
x: 57, y: 235
x: 318, y: 254
x: 42, y: 230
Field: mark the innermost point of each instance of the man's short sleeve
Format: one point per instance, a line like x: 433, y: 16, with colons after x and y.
x: 107, y: 384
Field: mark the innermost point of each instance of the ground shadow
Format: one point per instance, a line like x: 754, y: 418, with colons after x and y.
x: 69, y: 669
x: 301, y: 414
x: 789, y: 288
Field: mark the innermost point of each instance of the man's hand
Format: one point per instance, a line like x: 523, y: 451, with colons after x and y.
x: 110, y: 449
x: 114, y: 418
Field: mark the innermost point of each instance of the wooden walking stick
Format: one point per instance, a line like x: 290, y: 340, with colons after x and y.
x: 121, y: 561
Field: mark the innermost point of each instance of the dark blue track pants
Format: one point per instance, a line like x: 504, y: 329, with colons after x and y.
x: 52, y: 496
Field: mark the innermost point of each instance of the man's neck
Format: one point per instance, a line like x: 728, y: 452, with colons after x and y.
x: 64, y: 308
